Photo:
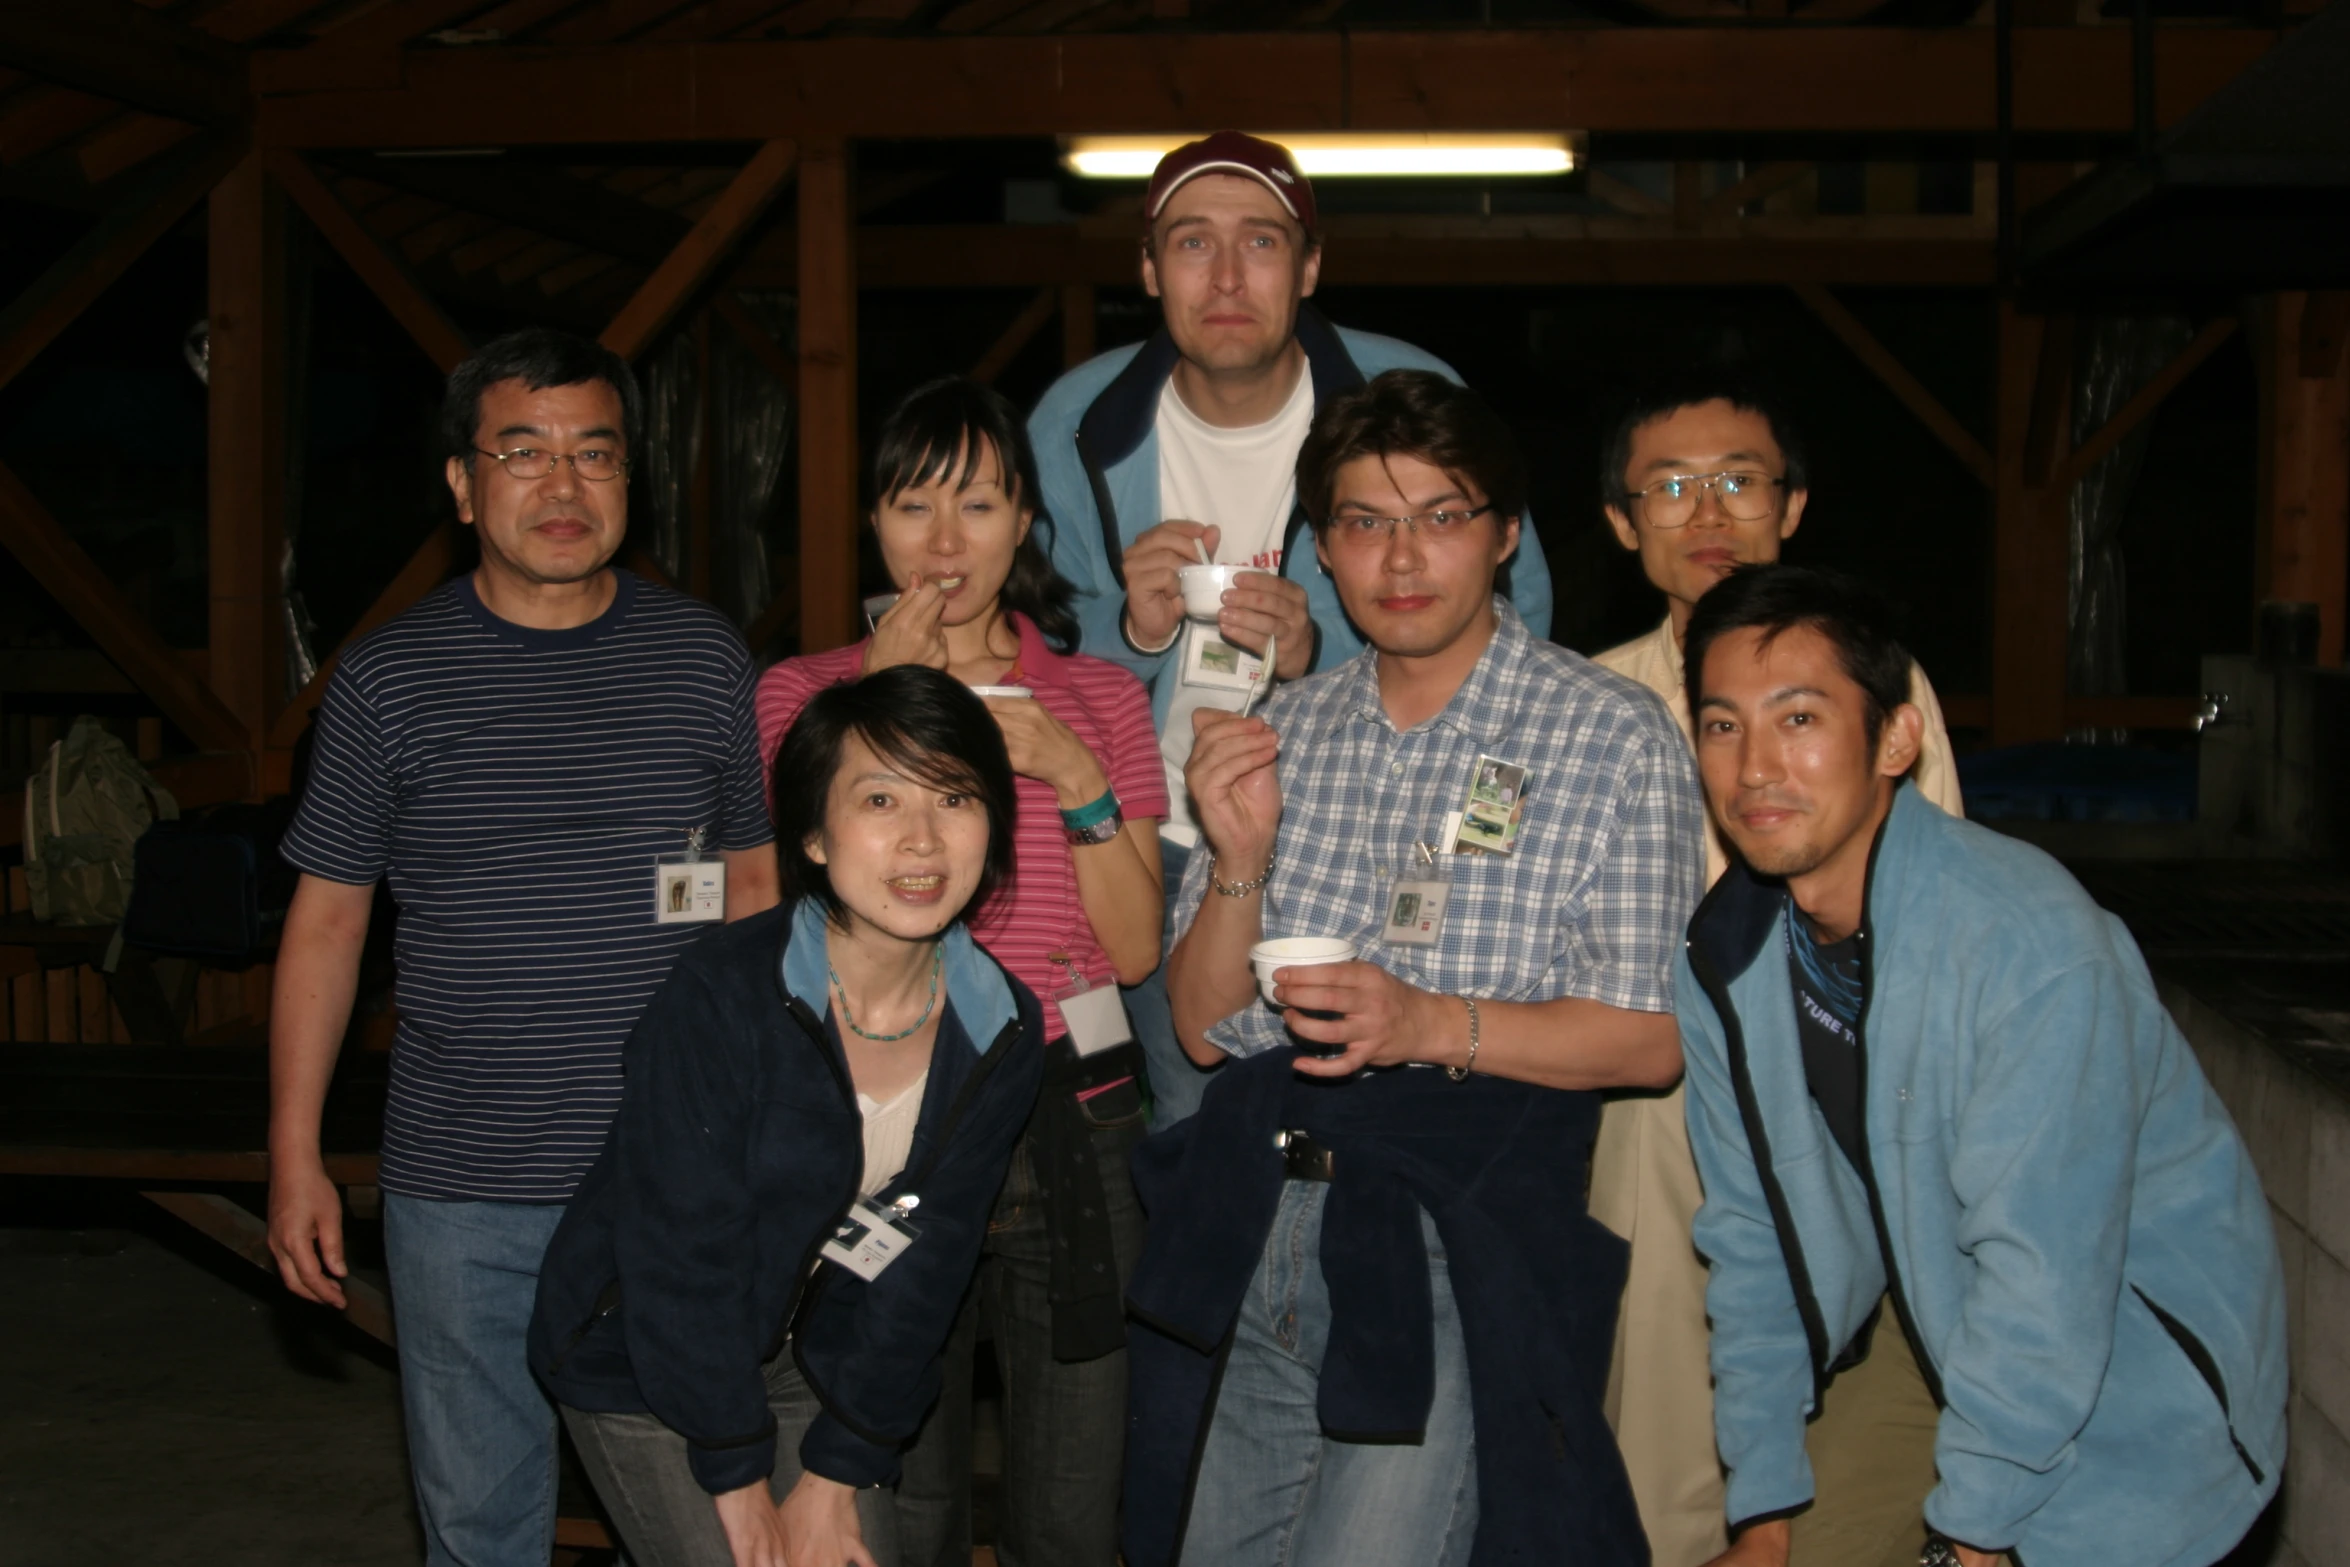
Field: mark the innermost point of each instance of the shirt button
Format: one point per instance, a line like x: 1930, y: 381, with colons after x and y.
x: 1397, y: 769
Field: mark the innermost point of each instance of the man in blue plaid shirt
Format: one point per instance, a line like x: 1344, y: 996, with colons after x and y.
x: 1342, y: 1427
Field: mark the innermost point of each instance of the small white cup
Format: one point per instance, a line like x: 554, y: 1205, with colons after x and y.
x: 1295, y: 952
x: 988, y: 691
x: 1203, y: 588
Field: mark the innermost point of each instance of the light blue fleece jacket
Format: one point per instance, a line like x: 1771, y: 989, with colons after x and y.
x: 1107, y: 409
x: 2081, y: 1247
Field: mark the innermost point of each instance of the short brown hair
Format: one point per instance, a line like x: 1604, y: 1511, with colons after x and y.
x: 1412, y: 413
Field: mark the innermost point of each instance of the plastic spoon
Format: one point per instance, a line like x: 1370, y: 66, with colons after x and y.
x: 1272, y: 651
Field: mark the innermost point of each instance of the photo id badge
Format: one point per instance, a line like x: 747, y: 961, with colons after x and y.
x: 1214, y: 664
x: 1416, y: 901
x: 869, y: 1238
x: 688, y: 891
x: 1495, y: 807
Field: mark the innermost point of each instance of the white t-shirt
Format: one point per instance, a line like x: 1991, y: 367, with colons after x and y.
x: 1244, y: 481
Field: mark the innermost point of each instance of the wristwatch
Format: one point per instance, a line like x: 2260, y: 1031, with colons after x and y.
x: 1938, y: 1552
x: 1099, y: 832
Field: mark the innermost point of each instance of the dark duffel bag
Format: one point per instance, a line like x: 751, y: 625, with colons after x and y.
x: 211, y: 887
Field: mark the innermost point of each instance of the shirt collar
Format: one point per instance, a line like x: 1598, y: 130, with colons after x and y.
x: 976, y: 989
x: 1040, y: 663
x: 1479, y: 709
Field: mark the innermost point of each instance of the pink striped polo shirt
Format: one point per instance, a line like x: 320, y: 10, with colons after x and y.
x: 1039, y: 911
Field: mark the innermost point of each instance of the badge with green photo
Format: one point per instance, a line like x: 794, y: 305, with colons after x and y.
x: 1496, y: 804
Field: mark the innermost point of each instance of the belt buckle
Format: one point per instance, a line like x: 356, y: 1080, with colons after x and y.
x: 1303, y: 1159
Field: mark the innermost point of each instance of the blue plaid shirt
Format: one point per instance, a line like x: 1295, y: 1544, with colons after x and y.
x: 1609, y: 858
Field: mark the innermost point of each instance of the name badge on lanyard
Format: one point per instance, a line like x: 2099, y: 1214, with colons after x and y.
x: 870, y: 1237
x: 1417, y: 899
x: 1095, y: 1015
x: 688, y: 889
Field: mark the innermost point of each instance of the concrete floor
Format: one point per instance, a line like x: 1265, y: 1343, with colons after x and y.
x: 163, y: 1401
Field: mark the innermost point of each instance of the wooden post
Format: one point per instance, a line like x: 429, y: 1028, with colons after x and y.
x: 828, y: 397
x: 246, y: 271
x: 1079, y: 320
x: 701, y: 487
x: 2028, y: 567
x: 2302, y: 548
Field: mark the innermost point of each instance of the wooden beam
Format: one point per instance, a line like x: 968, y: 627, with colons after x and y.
x: 697, y: 255
x: 245, y: 1233
x: 1624, y: 196
x: 443, y: 343
x: 2302, y: 549
x: 2028, y: 639
x: 828, y: 398
x: 1907, y: 388
x: 1681, y: 79
x: 757, y: 338
x: 426, y: 570
x: 132, y: 54
x: 35, y: 317
x: 1758, y: 185
x: 2148, y: 398
x: 246, y: 471
x: 1006, y: 348
x: 121, y: 632
x: 1080, y: 322
x: 544, y: 200
x: 1401, y: 253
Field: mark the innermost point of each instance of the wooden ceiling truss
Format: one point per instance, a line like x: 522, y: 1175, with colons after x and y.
x: 360, y: 119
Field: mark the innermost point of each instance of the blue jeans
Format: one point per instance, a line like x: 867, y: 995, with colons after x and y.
x: 1176, y: 1084
x: 1272, y: 1489
x: 481, y: 1434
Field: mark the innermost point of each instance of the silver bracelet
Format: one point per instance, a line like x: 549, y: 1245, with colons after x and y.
x: 1239, y: 889
x: 1460, y: 1074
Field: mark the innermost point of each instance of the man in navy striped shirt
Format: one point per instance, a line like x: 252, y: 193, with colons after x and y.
x: 549, y: 760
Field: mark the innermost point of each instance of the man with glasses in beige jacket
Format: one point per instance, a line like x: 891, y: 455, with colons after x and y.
x: 1703, y: 475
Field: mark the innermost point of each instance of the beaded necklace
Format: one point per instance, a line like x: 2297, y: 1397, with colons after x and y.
x: 937, y: 960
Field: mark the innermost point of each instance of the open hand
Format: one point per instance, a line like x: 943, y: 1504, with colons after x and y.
x: 306, y: 1230
x: 754, y: 1534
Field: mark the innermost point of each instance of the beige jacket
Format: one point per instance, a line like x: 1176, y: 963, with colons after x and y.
x: 1644, y: 1187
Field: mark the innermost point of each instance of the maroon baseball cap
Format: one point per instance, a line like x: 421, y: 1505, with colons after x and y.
x: 1231, y: 152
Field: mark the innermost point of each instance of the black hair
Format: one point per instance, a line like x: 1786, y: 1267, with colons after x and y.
x: 1771, y: 598
x: 917, y: 718
x: 1411, y: 413
x: 538, y: 357
x: 955, y: 417
x: 1690, y: 388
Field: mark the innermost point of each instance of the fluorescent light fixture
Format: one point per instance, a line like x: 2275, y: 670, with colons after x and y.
x: 1341, y: 156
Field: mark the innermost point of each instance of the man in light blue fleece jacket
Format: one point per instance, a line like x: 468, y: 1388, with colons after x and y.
x: 1149, y: 454
x: 1924, y: 1069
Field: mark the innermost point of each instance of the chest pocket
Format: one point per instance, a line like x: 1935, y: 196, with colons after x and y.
x: 1497, y: 936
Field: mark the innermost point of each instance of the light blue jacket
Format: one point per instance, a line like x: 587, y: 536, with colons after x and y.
x: 2081, y: 1248
x: 1097, y: 456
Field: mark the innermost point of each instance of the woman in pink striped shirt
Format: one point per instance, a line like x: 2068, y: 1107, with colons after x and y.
x: 954, y: 513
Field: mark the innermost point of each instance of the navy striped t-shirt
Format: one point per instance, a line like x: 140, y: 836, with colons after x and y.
x: 517, y: 787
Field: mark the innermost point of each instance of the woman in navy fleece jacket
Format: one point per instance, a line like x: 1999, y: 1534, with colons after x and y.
x: 737, y: 1398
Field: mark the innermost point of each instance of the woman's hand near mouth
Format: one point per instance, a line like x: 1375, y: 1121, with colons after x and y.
x: 913, y: 632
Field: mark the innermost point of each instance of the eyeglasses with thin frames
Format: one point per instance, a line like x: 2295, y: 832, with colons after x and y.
x: 1431, y: 526
x: 597, y: 464
x: 1743, y: 495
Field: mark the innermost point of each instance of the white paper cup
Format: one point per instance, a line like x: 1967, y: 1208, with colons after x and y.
x: 1295, y: 952
x: 988, y: 691
x: 1203, y: 588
